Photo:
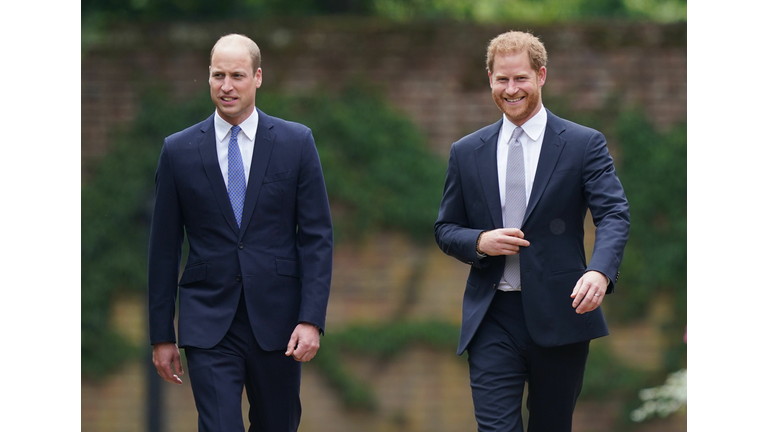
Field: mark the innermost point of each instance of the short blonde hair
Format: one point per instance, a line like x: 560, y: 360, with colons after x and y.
x: 250, y: 45
x: 513, y: 42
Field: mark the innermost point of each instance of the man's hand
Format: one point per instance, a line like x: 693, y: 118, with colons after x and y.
x: 304, y: 343
x: 502, y: 241
x: 164, y: 355
x: 589, y: 291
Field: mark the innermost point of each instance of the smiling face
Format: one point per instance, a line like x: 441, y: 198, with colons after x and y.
x: 233, y: 82
x: 516, y: 86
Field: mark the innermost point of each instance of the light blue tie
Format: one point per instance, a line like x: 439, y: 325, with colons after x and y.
x: 514, y: 207
x: 236, y: 175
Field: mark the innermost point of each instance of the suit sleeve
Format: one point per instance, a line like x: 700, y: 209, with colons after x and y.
x: 453, y: 233
x: 165, y: 240
x: 315, y: 236
x: 609, y: 207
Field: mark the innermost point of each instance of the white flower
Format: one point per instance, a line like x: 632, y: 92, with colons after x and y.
x: 665, y: 399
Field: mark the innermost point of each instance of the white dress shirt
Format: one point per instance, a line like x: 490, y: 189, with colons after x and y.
x: 245, y: 140
x: 531, y: 140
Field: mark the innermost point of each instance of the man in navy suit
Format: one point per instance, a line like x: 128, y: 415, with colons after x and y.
x: 247, y: 189
x: 515, y: 199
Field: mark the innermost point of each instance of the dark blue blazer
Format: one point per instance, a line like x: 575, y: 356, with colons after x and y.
x: 575, y: 173
x: 280, y: 257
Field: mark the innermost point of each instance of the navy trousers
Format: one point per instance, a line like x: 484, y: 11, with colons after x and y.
x: 502, y: 357
x: 218, y: 375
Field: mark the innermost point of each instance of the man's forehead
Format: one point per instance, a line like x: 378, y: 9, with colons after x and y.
x: 230, y: 65
x: 231, y: 60
x: 500, y: 61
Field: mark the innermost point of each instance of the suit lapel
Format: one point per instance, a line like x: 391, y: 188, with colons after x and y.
x: 207, y: 146
x: 262, y: 150
x: 551, y: 148
x: 485, y: 156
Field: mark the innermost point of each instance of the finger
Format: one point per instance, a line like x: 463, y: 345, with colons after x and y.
x: 509, y: 249
x: 177, y: 365
x: 577, y: 287
x: 578, y: 301
x: 512, y: 248
x: 513, y: 241
x: 167, y: 374
x: 578, y: 293
x: 306, y: 357
x: 591, y: 301
x: 292, y: 344
x: 514, y: 232
x: 309, y: 353
x: 300, y: 350
x: 592, y: 298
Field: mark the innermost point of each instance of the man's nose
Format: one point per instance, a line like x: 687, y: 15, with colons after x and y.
x: 226, y: 85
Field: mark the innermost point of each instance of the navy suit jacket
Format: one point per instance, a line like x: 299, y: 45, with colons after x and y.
x: 280, y: 257
x: 575, y: 173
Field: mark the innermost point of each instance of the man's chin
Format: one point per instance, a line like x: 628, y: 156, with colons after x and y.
x: 228, y: 113
x: 522, y: 114
x: 515, y: 115
x: 511, y: 114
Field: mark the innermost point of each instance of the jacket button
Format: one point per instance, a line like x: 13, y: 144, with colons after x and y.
x: 239, y: 278
x: 240, y: 246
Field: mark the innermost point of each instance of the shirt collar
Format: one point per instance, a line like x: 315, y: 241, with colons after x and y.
x: 248, y: 126
x: 534, y: 127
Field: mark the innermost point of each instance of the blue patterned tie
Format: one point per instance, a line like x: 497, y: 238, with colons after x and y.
x: 514, y: 207
x: 236, y: 175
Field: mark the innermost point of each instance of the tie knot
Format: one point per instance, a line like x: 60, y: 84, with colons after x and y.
x: 516, y: 134
x: 235, y: 131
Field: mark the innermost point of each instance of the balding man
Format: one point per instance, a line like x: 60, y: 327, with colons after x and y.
x: 247, y: 189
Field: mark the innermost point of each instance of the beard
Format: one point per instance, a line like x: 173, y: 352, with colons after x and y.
x: 522, y: 112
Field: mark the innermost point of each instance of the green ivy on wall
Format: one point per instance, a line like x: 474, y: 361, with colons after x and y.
x: 383, y: 341
x: 378, y: 170
x: 115, y: 216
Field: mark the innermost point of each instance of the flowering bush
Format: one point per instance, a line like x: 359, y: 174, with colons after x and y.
x: 665, y: 399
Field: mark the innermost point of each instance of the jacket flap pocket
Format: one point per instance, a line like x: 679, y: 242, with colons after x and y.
x: 287, y: 267
x: 194, y: 273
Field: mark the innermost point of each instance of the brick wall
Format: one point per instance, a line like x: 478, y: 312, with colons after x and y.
x: 433, y: 72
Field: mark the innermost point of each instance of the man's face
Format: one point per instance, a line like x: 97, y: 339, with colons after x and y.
x: 516, y: 87
x: 233, y: 83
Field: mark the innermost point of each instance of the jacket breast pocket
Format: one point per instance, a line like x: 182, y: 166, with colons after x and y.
x: 194, y: 273
x: 277, y: 177
x: 566, y: 172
